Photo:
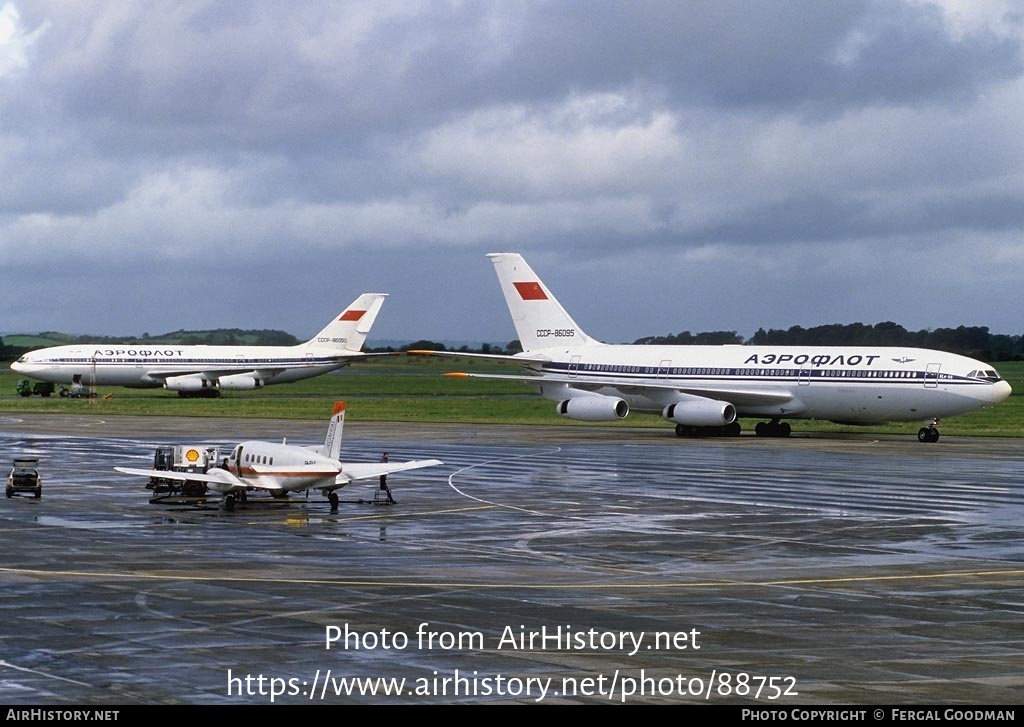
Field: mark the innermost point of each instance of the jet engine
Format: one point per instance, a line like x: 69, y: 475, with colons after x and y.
x: 699, y: 412
x: 192, y: 382
x: 241, y: 382
x: 596, y: 408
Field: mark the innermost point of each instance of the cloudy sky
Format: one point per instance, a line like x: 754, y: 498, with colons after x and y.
x: 664, y: 166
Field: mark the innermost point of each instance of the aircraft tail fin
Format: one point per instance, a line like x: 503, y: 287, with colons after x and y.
x: 348, y: 331
x: 540, y: 320
x: 332, y: 444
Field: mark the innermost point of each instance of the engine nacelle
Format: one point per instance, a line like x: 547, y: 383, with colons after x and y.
x: 192, y: 382
x: 593, y: 408
x: 243, y: 382
x: 700, y: 413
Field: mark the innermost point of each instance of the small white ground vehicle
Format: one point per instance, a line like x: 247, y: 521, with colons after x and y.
x: 24, y: 477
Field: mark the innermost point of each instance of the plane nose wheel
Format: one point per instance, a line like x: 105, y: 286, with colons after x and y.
x: 929, y: 433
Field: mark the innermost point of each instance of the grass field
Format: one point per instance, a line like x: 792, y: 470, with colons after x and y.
x: 413, y: 389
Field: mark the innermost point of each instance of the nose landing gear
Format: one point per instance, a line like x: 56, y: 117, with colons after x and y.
x: 929, y: 433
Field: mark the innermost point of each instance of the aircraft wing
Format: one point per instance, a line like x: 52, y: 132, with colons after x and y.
x: 218, y: 479
x: 215, y: 372
x: 370, y: 470
x: 654, y: 389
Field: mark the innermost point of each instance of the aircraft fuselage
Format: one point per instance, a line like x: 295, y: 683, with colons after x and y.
x: 148, y: 367
x: 281, y: 467
x: 843, y: 384
x: 204, y: 370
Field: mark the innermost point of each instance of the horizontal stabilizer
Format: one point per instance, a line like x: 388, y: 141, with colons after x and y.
x: 369, y: 470
x: 520, y: 358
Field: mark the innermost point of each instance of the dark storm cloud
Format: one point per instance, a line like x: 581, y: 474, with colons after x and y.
x: 240, y: 152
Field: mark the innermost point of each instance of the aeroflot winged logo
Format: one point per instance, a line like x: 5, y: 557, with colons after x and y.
x: 530, y: 291
x: 352, y: 315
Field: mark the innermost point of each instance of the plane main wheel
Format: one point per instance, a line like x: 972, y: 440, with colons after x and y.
x: 733, y: 429
x: 773, y: 429
x: 194, y: 489
x: 229, y: 503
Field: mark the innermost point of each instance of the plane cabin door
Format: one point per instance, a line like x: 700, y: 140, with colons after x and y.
x: 931, y: 376
x: 803, y: 377
x: 574, y: 365
x: 664, y: 368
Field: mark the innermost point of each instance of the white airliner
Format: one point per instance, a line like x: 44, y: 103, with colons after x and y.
x: 207, y: 370
x: 282, y: 468
x: 706, y: 389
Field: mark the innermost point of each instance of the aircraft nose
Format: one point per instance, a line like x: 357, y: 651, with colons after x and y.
x: 1001, y: 390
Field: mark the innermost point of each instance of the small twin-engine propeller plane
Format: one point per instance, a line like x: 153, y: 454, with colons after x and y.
x: 205, y: 371
x: 282, y: 468
x: 706, y: 389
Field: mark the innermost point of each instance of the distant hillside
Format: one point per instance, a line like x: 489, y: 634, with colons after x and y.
x: 14, y: 345
x: 218, y: 336
x: 28, y: 340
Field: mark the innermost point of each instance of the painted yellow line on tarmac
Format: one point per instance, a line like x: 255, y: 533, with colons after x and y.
x: 495, y: 586
x: 416, y: 514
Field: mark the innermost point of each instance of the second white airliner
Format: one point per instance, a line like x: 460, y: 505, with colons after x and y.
x: 707, y: 389
x: 207, y: 370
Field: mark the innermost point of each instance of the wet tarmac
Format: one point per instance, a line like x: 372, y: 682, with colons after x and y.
x: 539, y: 564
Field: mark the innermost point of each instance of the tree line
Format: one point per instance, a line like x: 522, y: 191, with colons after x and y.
x: 974, y: 341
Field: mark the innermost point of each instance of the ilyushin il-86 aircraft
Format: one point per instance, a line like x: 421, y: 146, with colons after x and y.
x: 205, y: 371
x: 281, y: 468
x: 707, y: 389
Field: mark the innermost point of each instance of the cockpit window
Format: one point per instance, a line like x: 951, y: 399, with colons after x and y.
x: 986, y: 374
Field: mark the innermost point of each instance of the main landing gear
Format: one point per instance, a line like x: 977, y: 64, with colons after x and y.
x: 777, y: 428
x: 232, y: 498
x: 729, y: 430
x: 774, y: 428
